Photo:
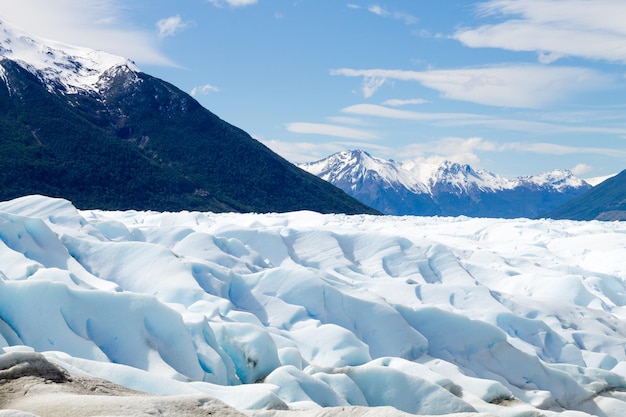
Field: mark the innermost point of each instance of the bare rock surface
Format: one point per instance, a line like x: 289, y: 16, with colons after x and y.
x: 30, y: 385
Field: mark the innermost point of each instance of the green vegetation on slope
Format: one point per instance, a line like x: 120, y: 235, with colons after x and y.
x: 148, y: 146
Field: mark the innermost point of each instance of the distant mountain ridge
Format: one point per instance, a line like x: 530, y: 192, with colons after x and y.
x: 446, y: 189
x: 92, y: 128
x: 606, y: 201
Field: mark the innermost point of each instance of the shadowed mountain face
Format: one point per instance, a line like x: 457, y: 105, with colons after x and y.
x: 126, y: 140
x: 606, y: 201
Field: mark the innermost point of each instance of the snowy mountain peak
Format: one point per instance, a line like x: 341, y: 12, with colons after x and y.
x: 463, y: 177
x: 352, y: 167
x: 66, y: 68
x: 446, y: 188
x: 558, y: 179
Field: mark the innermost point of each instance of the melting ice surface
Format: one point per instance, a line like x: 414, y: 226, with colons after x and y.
x: 428, y: 315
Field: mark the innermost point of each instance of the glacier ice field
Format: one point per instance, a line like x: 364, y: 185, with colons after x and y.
x: 429, y: 315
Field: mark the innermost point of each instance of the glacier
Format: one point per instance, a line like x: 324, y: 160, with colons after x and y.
x: 305, y: 311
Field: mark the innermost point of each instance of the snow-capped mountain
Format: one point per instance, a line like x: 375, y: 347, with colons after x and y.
x: 91, y: 127
x: 447, y: 189
x: 62, y: 67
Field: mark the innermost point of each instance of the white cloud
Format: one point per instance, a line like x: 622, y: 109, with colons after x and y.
x: 582, y: 28
x: 330, y: 130
x: 386, y: 112
x: 203, y: 90
x: 232, y: 3
x: 297, y: 152
x: 399, y: 102
x: 460, y: 150
x: 97, y: 24
x: 557, y: 149
x: 467, y: 150
x: 472, y: 119
x: 505, y: 86
x: 355, y: 121
x: 581, y: 169
x: 383, y: 12
x: 371, y: 85
x: 170, y: 25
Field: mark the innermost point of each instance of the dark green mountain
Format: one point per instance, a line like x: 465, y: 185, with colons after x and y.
x: 141, y: 143
x: 605, y: 201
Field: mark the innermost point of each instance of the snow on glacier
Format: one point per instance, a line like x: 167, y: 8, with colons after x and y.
x: 427, y: 315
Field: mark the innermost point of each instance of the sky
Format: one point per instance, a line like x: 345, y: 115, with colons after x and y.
x: 517, y: 87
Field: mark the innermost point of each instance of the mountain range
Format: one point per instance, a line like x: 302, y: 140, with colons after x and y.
x: 92, y: 128
x: 446, y: 189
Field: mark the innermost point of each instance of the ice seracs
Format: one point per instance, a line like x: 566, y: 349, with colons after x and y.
x: 426, y: 315
x: 62, y: 67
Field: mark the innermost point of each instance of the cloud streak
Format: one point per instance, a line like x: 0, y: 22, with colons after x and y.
x: 472, y: 119
x: 383, y: 12
x: 232, y: 3
x: 330, y: 130
x: 400, y: 102
x: 522, y: 86
x: 467, y: 150
x: 588, y: 29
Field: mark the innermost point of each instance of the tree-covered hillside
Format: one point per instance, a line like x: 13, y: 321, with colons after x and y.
x: 143, y: 144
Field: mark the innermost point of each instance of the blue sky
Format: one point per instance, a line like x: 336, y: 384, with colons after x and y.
x: 517, y: 87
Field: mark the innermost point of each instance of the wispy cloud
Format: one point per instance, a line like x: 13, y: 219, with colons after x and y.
x: 371, y: 85
x: 505, y: 86
x: 346, y: 120
x: 456, y: 149
x: 526, y: 124
x: 469, y: 150
x: 98, y: 24
x: 232, y: 3
x: 581, y: 28
x: 204, y: 90
x: 314, y: 151
x: 390, y: 113
x: 558, y: 149
x: 384, y: 12
x: 330, y: 130
x: 296, y: 152
x: 400, y: 102
x: 170, y: 26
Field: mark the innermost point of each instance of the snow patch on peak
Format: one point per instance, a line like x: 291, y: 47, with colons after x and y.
x: 559, y: 179
x: 64, y: 67
x: 353, y: 166
x: 463, y: 177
